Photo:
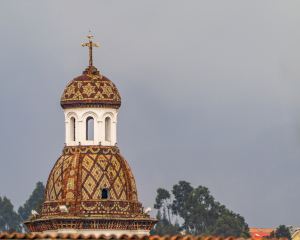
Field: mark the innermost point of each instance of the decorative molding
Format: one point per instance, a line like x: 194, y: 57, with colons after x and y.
x: 89, y: 224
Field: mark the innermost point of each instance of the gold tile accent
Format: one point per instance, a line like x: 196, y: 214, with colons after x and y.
x: 88, y: 89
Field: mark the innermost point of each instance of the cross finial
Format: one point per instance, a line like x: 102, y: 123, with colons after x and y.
x: 90, y: 44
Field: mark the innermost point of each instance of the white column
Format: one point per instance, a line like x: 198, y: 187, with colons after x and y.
x: 80, y: 131
x: 100, y: 131
x: 113, y: 132
x: 67, y: 133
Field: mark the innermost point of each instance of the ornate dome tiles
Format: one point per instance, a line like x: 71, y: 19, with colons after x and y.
x: 91, y: 89
x: 78, y: 176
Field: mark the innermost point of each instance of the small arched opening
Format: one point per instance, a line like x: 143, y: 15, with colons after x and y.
x: 104, y: 193
x: 107, y: 129
x: 72, y: 129
x: 90, y: 129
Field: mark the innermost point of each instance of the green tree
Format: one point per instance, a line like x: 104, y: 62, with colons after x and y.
x: 9, y: 219
x: 198, y: 211
x: 163, y: 205
x: 34, y: 202
x: 181, y: 191
x: 161, y: 196
x: 164, y: 227
x: 230, y: 224
x: 281, y: 232
x: 163, y: 202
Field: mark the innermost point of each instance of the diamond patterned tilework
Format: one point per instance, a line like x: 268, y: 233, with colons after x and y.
x: 81, y: 173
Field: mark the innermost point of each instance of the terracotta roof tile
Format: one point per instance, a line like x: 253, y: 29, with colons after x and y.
x: 258, y: 233
x: 15, y: 235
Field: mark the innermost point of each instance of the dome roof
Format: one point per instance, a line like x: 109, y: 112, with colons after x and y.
x: 91, y: 89
x: 74, y: 194
x: 79, y: 176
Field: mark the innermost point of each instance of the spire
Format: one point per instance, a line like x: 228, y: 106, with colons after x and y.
x: 90, y: 44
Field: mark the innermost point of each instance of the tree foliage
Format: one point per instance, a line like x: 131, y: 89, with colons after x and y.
x: 161, y: 197
x: 34, y: 202
x: 181, y: 192
x: 230, y: 224
x: 281, y: 232
x: 9, y: 219
x: 198, y: 211
x: 12, y: 221
x: 164, y: 226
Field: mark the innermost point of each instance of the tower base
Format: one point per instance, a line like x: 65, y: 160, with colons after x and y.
x: 96, y: 226
x: 99, y: 232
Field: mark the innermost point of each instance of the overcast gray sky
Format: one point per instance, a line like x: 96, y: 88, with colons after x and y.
x: 210, y: 94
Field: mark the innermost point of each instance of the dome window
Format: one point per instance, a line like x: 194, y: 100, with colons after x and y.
x: 107, y: 129
x: 90, y: 129
x: 104, y: 193
x: 72, y: 129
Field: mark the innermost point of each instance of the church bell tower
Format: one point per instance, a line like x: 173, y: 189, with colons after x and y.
x: 91, y: 188
x: 91, y: 104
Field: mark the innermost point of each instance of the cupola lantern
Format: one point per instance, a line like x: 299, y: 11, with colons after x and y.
x: 91, y: 102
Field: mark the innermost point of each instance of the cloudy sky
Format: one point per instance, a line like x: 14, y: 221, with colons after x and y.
x: 210, y: 94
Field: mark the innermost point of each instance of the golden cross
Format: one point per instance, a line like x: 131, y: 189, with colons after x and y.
x: 90, y: 44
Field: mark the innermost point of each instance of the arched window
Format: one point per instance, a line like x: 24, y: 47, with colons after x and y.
x: 107, y: 129
x: 90, y: 128
x: 104, y: 193
x: 72, y: 129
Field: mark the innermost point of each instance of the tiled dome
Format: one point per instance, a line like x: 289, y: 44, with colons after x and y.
x: 79, y: 176
x: 77, y: 181
x: 91, y: 89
